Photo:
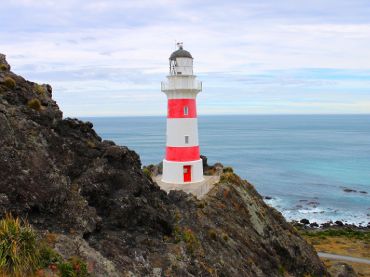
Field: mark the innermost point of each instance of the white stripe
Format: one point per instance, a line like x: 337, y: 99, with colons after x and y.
x: 173, y: 172
x: 178, y: 128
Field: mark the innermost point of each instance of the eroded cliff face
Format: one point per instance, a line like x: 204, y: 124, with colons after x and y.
x: 94, y: 196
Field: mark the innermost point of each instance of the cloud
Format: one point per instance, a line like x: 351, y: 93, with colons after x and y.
x: 116, y: 52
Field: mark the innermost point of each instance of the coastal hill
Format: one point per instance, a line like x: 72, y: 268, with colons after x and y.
x: 88, y: 197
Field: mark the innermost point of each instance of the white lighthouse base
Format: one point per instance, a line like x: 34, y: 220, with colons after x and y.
x: 173, y: 172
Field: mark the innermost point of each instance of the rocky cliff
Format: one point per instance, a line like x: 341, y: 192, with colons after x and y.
x: 93, y: 196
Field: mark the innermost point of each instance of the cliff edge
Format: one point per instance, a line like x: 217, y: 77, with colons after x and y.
x: 96, y: 200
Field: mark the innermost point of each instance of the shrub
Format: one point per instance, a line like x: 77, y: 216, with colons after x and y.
x: 39, y: 89
x: 79, y: 267
x: 48, y: 257
x: 232, y: 178
x: 192, y: 243
x: 225, y: 237
x: 66, y: 269
x: 3, y: 67
x: 228, y: 169
x: 74, y: 267
x: 9, y: 82
x: 18, y: 248
x: 147, y: 172
x: 212, y: 234
x: 34, y: 104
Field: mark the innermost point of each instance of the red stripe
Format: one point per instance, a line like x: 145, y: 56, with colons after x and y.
x: 182, y: 154
x: 176, y: 108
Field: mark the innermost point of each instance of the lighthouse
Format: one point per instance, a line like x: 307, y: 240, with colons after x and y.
x: 182, y: 163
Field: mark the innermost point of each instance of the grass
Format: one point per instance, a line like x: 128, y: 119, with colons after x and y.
x: 9, y: 82
x: 187, y: 235
x: 344, y: 232
x: 18, y: 250
x: 34, y: 104
x: 3, y: 67
x: 147, y: 173
x: 22, y: 254
x: 345, y: 241
x: 39, y: 89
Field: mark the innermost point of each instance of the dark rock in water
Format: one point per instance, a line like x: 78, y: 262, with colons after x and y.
x: 339, y: 223
x: 327, y: 224
x: 304, y: 221
x: 267, y: 197
x: 60, y: 175
x: 349, y: 190
x: 363, y: 192
x: 314, y: 203
x: 314, y: 224
x: 342, y: 270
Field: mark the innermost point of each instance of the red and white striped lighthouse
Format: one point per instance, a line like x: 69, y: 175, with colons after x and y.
x: 182, y: 163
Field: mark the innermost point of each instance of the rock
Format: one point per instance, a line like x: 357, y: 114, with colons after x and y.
x: 60, y: 175
x: 267, y: 197
x: 3, y: 63
x: 314, y: 203
x: 342, y: 270
x: 363, y: 192
x: 339, y: 223
x: 304, y: 221
x: 314, y: 225
x: 349, y: 190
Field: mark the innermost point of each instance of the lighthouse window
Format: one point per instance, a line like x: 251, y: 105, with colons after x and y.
x: 186, y: 110
x: 186, y: 139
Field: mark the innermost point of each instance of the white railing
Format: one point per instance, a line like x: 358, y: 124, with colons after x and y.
x: 181, y: 84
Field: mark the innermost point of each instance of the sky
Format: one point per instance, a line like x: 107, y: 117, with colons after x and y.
x: 108, y: 57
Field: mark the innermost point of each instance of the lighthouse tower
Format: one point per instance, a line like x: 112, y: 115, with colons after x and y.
x: 182, y: 163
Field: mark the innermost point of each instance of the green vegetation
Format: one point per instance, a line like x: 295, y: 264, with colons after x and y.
x: 22, y: 254
x: 9, y: 82
x: 343, y: 232
x: 48, y: 257
x: 187, y: 235
x: 39, y: 89
x: 34, y: 104
x: 147, y: 172
x: 230, y: 177
x: 3, y: 67
x: 74, y: 267
x: 18, y: 249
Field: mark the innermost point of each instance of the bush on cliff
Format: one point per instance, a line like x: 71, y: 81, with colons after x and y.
x: 3, y: 67
x: 9, y: 82
x: 39, y: 89
x: 18, y: 248
x: 21, y: 253
x: 228, y: 169
x: 34, y: 104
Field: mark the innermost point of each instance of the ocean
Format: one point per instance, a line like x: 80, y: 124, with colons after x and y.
x: 311, y: 166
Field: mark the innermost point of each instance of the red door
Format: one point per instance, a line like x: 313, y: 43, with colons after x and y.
x: 187, y: 173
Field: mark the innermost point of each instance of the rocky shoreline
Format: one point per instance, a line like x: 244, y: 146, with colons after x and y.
x: 307, y: 225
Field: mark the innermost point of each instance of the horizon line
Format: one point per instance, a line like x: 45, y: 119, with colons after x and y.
x: 267, y: 114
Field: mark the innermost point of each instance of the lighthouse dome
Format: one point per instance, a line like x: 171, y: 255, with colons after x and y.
x: 180, y: 53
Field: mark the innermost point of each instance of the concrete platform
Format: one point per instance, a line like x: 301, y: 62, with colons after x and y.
x: 197, y: 189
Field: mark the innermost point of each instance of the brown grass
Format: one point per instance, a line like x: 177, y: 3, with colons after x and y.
x: 354, y: 247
